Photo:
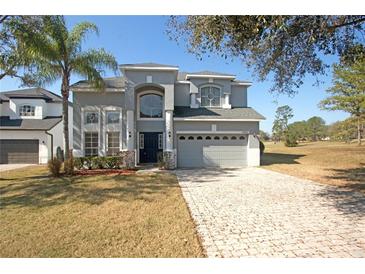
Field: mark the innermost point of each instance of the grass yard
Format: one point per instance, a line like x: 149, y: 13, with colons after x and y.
x: 325, y: 162
x: 94, y: 216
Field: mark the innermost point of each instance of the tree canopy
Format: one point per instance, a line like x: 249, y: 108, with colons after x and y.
x: 348, y: 90
x: 286, y: 47
x: 280, y: 126
x: 14, y: 61
x: 57, y: 53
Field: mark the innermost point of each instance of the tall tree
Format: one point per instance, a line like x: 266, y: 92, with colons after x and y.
x: 280, y: 126
x: 14, y: 61
x: 287, y: 47
x: 57, y: 53
x: 348, y: 91
x: 315, y: 128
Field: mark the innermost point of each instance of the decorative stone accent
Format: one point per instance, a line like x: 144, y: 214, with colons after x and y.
x: 129, y: 158
x: 169, y: 157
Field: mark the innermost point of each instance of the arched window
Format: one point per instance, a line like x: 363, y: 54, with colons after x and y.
x: 233, y: 138
x: 242, y: 138
x: 210, y: 96
x: 27, y: 110
x: 182, y: 138
x: 208, y: 138
x: 199, y: 138
x: 216, y: 138
x: 150, y: 106
x: 225, y: 138
x: 191, y: 138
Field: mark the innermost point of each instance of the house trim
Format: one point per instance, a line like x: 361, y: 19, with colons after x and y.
x: 210, y: 132
x: 149, y: 68
x: 209, y: 76
x: 216, y: 120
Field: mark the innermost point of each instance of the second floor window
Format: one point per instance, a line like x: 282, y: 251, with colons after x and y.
x: 210, y: 96
x: 27, y: 110
x: 112, y: 117
x: 150, y: 106
x: 91, y: 118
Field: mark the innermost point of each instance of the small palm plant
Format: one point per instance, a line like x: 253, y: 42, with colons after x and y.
x: 57, y: 54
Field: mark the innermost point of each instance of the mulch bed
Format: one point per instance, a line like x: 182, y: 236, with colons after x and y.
x: 93, y: 172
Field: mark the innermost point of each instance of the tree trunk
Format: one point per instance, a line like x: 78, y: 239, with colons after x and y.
x: 65, y: 90
x: 358, y: 131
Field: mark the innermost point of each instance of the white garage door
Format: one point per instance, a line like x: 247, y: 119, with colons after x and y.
x: 211, y: 151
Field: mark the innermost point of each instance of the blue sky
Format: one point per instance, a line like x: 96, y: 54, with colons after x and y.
x: 134, y: 39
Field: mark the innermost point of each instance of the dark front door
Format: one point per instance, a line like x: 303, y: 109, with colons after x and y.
x: 150, y: 143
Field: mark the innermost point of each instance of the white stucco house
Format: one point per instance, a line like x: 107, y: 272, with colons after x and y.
x: 197, y: 119
x: 31, y: 126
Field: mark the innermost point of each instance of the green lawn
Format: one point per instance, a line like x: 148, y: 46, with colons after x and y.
x: 331, y: 163
x: 94, y: 216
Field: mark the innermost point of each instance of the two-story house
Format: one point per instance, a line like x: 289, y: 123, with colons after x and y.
x: 199, y: 119
x: 31, y: 126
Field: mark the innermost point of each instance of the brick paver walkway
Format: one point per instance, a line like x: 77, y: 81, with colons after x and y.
x: 260, y: 213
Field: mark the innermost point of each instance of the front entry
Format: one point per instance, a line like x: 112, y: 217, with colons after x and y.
x: 150, y: 144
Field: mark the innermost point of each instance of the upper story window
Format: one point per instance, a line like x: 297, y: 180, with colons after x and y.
x: 27, y: 110
x: 91, y: 117
x: 151, y: 106
x: 112, y: 117
x: 210, y: 96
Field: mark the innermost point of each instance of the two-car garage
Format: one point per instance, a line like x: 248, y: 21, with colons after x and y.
x: 211, y: 150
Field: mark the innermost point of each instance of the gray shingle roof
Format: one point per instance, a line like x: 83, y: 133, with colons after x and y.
x: 217, y: 113
x: 112, y: 82
x: 29, y: 124
x: 37, y: 93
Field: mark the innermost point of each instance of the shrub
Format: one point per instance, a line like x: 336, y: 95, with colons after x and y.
x: 291, y: 139
x: 160, y: 160
x: 69, y: 166
x: 59, y: 154
x: 96, y: 162
x: 54, y: 166
x: 262, y: 148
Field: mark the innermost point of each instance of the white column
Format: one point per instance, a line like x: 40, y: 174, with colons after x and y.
x: 130, y: 130
x: 169, y: 130
x: 226, y: 103
x: 193, y: 103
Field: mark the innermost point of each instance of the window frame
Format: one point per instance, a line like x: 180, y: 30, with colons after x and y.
x: 32, y: 110
x: 86, y: 112
x: 150, y: 92
x: 210, y: 104
x: 114, y: 147
x: 91, y: 142
x: 106, y: 117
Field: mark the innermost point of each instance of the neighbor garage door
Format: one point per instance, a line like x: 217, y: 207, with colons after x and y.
x: 211, y: 151
x: 19, y: 151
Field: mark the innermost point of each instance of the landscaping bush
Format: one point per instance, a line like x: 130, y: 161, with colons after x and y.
x: 59, y: 154
x: 69, y: 166
x: 262, y: 148
x: 291, y: 139
x: 160, y: 160
x: 96, y: 162
x: 54, y: 166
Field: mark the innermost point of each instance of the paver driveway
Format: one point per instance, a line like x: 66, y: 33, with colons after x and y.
x: 261, y: 213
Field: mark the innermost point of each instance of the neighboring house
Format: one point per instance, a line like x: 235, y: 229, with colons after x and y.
x: 31, y: 126
x: 197, y: 119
